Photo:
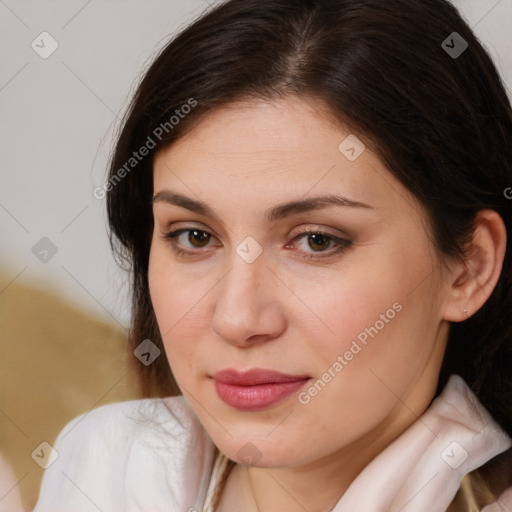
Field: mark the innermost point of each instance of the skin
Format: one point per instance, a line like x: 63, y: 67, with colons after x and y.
x: 294, y: 314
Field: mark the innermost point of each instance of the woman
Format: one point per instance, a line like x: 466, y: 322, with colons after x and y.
x: 312, y: 198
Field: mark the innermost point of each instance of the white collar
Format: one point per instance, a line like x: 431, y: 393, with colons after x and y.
x: 421, y: 471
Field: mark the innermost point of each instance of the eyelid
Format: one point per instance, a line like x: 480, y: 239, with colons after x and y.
x: 321, y: 230
x: 169, y: 227
x: 341, y: 243
x: 175, y: 233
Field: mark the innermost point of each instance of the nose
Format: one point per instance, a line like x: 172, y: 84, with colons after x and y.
x: 248, y: 309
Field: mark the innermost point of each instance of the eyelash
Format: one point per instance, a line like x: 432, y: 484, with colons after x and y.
x: 342, y: 244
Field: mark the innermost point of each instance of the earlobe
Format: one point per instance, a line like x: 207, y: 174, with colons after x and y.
x: 474, y: 279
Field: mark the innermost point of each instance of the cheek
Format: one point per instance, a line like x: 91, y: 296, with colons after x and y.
x: 378, y: 327
x: 171, y: 295
x: 180, y: 309
x: 380, y: 339
x: 346, y: 313
x: 383, y: 311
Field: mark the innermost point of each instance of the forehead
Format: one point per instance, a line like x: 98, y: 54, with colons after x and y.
x: 263, y: 129
x: 278, y: 150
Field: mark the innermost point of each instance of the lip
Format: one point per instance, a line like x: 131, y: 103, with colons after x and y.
x: 256, y: 389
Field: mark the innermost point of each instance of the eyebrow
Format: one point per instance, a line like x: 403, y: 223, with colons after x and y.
x: 273, y: 214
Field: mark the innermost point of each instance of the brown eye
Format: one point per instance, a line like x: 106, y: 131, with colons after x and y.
x: 189, y: 239
x: 319, y: 242
x: 198, y: 238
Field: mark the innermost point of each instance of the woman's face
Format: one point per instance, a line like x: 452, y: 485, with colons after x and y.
x: 296, y: 289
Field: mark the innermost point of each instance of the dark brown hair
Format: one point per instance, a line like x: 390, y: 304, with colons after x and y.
x: 441, y: 123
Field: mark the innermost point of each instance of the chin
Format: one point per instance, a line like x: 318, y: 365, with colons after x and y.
x: 256, y: 451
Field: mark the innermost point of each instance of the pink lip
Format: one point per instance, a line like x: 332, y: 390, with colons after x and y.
x: 255, y: 389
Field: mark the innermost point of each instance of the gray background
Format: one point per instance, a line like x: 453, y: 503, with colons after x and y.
x: 58, y: 117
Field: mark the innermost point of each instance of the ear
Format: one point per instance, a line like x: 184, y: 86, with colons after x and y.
x: 474, y: 279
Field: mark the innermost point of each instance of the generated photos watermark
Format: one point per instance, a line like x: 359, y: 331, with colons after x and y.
x: 146, y: 352
x: 356, y: 347
x: 137, y: 156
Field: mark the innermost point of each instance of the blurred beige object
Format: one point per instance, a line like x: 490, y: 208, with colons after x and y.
x: 56, y: 362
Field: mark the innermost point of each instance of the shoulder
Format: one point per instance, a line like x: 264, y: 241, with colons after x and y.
x: 127, y: 426
x: 113, y: 422
x: 135, y: 452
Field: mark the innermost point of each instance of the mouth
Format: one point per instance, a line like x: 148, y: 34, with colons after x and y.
x: 256, y: 389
